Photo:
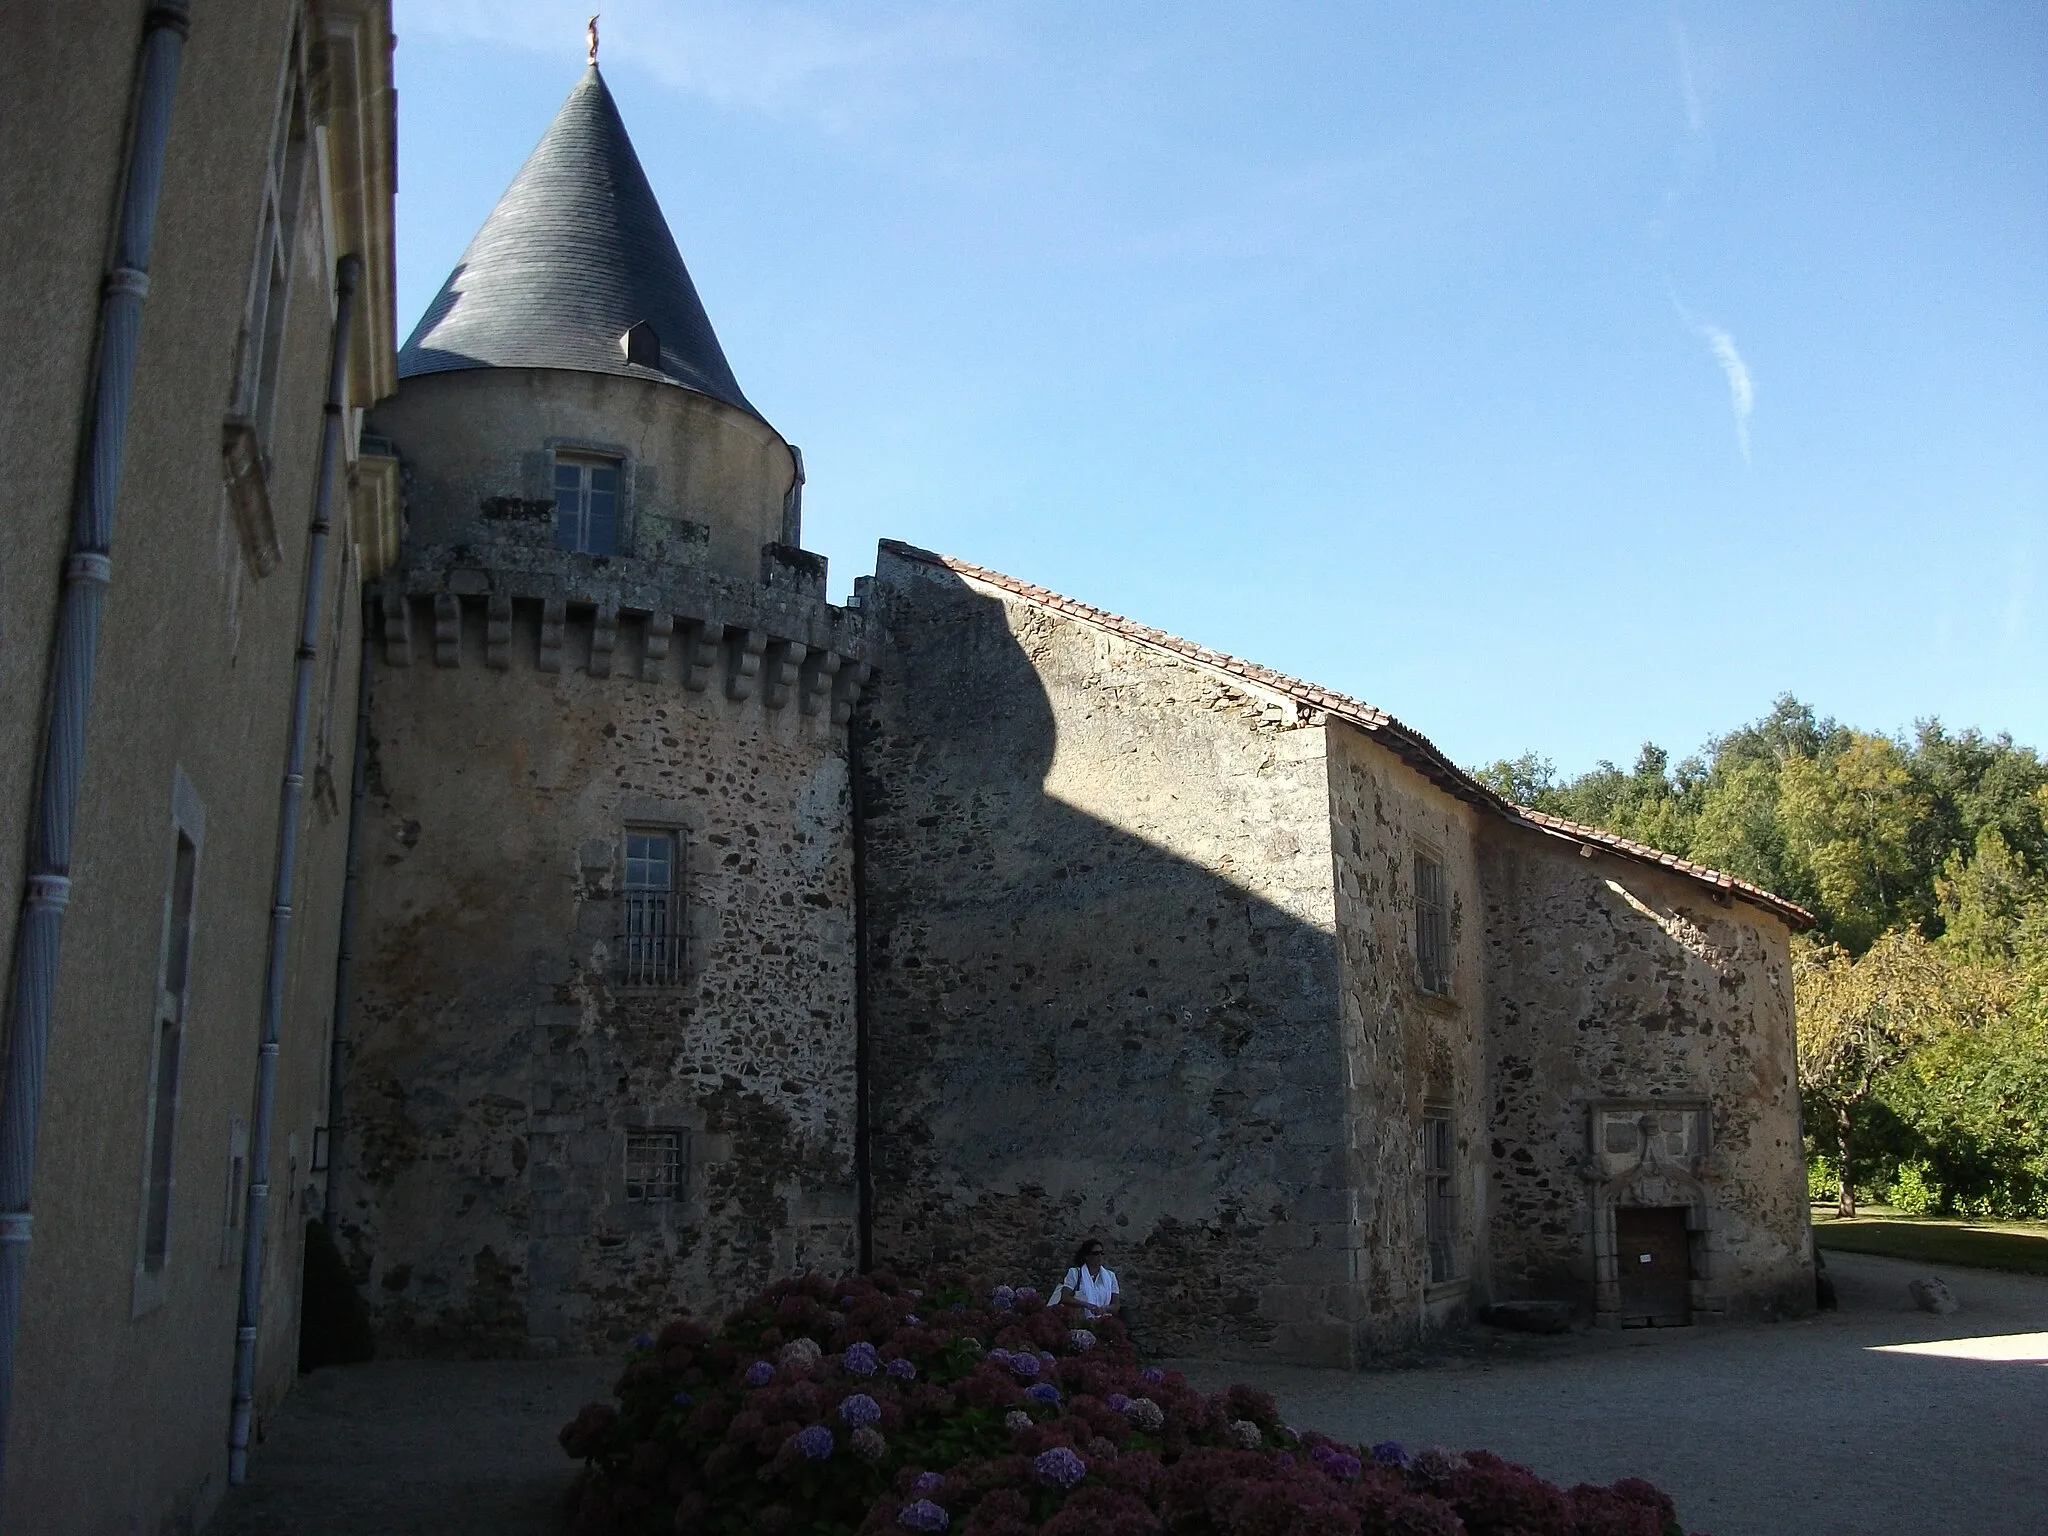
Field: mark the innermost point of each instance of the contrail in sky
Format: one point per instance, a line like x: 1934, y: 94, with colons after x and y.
x: 1741, y: 388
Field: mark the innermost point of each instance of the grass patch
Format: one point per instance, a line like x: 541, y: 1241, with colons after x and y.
x: 2018, y: 1247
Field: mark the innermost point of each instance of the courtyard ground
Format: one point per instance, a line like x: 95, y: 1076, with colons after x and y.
x: 1877, y: 1420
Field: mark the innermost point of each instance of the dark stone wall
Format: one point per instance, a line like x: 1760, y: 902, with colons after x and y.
x: 1103, y: 990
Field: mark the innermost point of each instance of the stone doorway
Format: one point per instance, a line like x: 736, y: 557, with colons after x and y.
x: 1653, y: 1255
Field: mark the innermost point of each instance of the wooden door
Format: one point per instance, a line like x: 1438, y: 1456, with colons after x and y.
x: 1654, y: 1255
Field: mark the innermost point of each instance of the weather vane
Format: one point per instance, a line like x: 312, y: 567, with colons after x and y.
x: 593, y: 39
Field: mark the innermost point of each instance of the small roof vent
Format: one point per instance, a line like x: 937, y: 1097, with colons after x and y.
x: 641, y: 345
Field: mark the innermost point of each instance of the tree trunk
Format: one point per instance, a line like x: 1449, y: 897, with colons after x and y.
x: 1845, y: 1200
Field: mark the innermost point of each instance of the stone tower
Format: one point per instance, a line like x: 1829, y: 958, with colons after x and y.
x: 601, y: 1053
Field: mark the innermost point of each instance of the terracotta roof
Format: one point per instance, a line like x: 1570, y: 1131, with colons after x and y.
x: 1412, y: 747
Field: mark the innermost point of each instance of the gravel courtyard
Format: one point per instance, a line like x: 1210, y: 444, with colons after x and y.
x: 1874, y: 1421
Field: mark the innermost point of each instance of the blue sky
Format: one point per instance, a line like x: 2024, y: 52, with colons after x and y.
x: 1557, y: 377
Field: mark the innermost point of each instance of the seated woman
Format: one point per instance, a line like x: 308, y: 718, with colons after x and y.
x: 1094, y: 1287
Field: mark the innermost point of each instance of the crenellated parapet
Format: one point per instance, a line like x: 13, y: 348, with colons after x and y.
x: 777, y: 640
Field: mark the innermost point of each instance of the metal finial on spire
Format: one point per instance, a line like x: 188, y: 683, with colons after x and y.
x: 593, y: 39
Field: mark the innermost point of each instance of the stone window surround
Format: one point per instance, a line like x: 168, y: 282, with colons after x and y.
x: 697, y: 1148
x: 1439, y: 1112
x: 188, y: 829
x: 1653, y: 1180
x: 587, y: 448
x: 1422, y: 850
x: 688, y: 825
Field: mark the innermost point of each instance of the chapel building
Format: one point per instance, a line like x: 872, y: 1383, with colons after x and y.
x: 711, y: 930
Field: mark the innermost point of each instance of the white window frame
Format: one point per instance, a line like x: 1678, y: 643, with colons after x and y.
x: 653, y: 927
x: 168, y: 1020
x: 268, y: 306
x: 1432, y: 923
x: 583, y: 496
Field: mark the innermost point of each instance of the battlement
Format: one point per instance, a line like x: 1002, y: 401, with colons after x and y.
x: 653, y: 621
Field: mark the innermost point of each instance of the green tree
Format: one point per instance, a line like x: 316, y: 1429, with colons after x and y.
x: 1850, y: 818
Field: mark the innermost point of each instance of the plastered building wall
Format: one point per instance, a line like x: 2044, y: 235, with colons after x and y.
x: 1613, y: 984
x: 707, y: 482
x: 498, y: 1059
x: 1103, y: 976
x: 188, y: 720
x: 1406, y: 1050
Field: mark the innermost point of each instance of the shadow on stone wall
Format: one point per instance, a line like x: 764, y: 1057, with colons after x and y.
x: 1075, y: 1030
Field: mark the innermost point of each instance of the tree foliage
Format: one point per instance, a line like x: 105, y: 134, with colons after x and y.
x: 1923, y: 995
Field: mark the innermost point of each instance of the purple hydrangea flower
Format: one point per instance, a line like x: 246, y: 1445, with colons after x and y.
x: 923, y: 1515
x: 1023, y: 1365
x: 1016, y: 1419
x: 1026, y: 1293
x: 1388, y: 1453
x: 1042, y: 1392
x: 959, y: 1306
x: 859, y: 1409
x: 910, y: 1319
x: 759, y: 1374
x: 1080, y: 1338
x: 1000, y: 1356
x: 1003, y: 1298
x: 927, y: 1481
x: 868, y: 1444
x: 901, y: 1369
x: 1116, y: 1402
x: 860, y: 1360
x: 1153, y: 1374
x: 681, y: 1399
x: 1059, y: 1467
x: 813, y: 1444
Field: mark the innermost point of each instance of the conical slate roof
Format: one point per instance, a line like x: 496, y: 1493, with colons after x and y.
x: 575, y: 254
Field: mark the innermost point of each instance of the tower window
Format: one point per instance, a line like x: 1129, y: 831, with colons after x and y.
x: 653, y: 939
x: 1440, y: 1210
x: 1432, y: 927
x: 655, y: 1164
x: 586, y: 504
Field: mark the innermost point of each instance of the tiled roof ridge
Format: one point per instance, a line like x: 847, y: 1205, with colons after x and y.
x: 1410, y: 745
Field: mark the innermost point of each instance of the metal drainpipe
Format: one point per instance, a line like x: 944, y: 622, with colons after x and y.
x: 345, y: 953
x: 251, y: 1312
x: 87, y: 571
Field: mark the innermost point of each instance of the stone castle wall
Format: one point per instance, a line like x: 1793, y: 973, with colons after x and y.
x: 499, y: 1061
x: 1406, y: 1050
x: 1103, y: 979
x: 1617, y: 987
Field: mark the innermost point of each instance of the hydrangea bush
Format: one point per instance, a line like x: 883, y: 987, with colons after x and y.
x: 868, y: 1407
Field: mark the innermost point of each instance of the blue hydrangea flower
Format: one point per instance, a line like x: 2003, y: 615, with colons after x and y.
x: 1059, y: 1467
x: 1000, y: 1356
x: 1116, y: 1402
x: 1042, y: 1392
x: 1388, y: 1453
x: 813, y: 1444
x: 1003, y: 1299
x: 923, y: 1515
x: 959, y: 1306
x: 643, y: 1341
x: 1080, y: 1338
x: 1026, y: 1293
x: 901, y: 1369
x: 681, y: 1399
x: 1023, y: 1364
x: 910, y: 1319
x: 759, y: 1374
x: 860, y: 1360
x: 927, y: 1482
x: 859, y: 1409
x: 1153, y: 1373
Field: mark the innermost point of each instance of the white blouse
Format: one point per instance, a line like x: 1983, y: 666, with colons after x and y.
x: 1092, y: 1291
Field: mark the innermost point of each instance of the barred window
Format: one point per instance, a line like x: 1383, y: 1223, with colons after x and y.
x: 1432, y: 926
x: 655, y: 1165
x: 652, y: 944
x: 1440, y: 1212
x: 586, y: 504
